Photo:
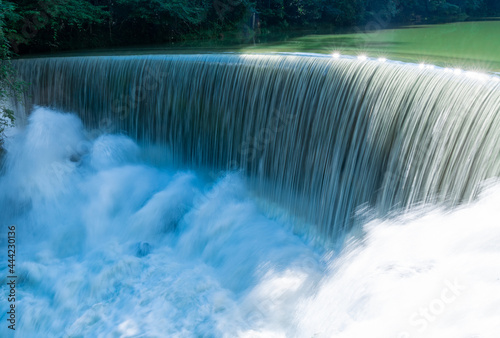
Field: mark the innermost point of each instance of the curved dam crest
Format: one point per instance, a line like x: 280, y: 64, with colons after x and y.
x: 321, y: 136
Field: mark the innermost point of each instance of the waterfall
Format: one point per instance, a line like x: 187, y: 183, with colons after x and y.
x: 320, y: 136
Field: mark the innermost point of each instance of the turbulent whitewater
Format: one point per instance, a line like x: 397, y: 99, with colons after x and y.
x: 184, y: 196
x: 321, y: 136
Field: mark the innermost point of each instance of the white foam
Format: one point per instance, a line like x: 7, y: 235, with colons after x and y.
x: 112, y: 246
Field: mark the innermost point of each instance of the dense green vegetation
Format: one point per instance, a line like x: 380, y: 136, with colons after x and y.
x: 8, y: 86
x: 51, y: 25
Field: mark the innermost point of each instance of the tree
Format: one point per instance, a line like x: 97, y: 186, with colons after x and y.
x: 302, y: 12
x: 343, y: 12
x: 157, y: 19
x: 167, y: 20
x: 8, y: 85
x: 51, y: 24
x: 468, y: 6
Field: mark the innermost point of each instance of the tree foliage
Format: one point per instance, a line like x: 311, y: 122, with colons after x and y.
x: 8, y: 85
x: 47, y: 25
x: 51, y: 24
